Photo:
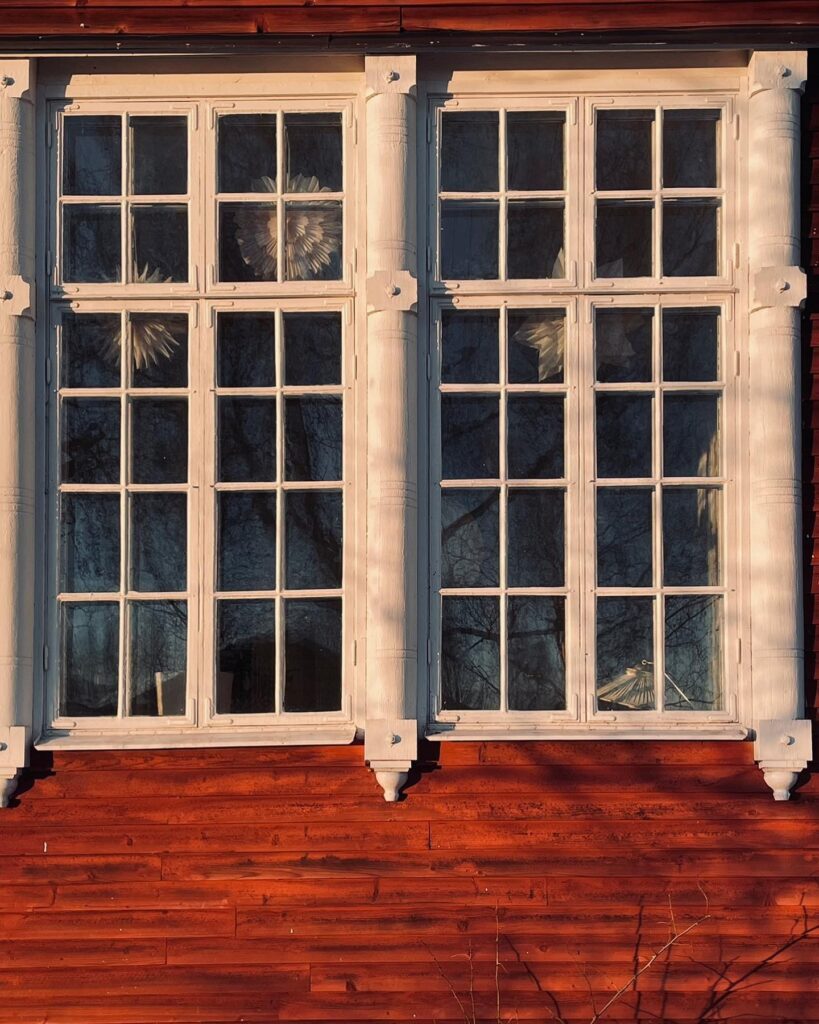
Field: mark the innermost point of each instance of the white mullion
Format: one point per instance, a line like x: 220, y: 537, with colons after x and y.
x: 657, y: 179
x: 657, y: 501
x: 588, y: 496
x: 503, y: 497
x: 281, y: 188
x: 278, y: 602
x: 125, y: 205
x: 125, y: 512
x: 502, y: 201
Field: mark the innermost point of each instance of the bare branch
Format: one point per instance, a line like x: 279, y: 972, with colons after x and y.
x: 450, y: 986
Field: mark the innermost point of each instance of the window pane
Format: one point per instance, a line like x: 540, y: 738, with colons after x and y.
x: 469, y: 240
x: 534, y: 448
x: 691, y: 435
x: 623, y: 239
x: 534, y: 142
x: 248, y: 242
x: 622, y: 344
x: 469, y: 151
x: 246, y: 350
x: 625, y: 654
x: 624, y: 537
x: 159, y: 348
x: 693, y: 653
x: 159, y: 641
x: 469, y: 538
x: 90, y: 350
x: 246, y: 657
x: 247, y: 439
x: 536, y: 346
x: 159, y: 453
x: 91, y: 243
x: 691, y: 525
x: 90, y: 441
x: 623, y: 435
x: 90, y: 659
x: 534, y: 240
x: 690, y: 148
x: 534, y: 524
x: 160, y: 155
x: 312, y: 655
x: 246, y: 555
x: 313, y: 530
x: 92, y: 156
x: 160, y: 240
x: 624, y: 149
x: 312, y: 241
x: 537, y: 653
x: 89, y: 542
x: 690, y: 238
x: 312, y: 348
x: 469, y: 437
x: 470, y: 653
x: 247, y: 153
x: 691, y: 344
x: 313, y: 438
x: 469, y: 347
x: 159, y: 542
x: 312, y: 145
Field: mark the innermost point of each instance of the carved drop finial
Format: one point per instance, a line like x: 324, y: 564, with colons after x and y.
x: 781, y: 782
x: 391, y: 782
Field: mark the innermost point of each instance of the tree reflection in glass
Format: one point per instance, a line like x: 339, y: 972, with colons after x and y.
x: 470, y: 653
x: 536, y: 653
x: 90, y: 659
x: 158, y: 656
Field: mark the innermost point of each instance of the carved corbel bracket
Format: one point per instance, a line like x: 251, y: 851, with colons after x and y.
x: 783, y: 749
x: 16, y: 80
x: 773, y: 287
x: 392, y: 290
x: 13, y: 757
x: 390, y: 747
x: 778, y: 69
x: 17, y: 297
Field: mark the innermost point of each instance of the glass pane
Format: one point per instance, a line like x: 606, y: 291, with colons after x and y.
x: 534, y: 524
x: 312, y: 539
x: 469, y: 240
x: 312, y: 348
x: 90, y: 441
x: 160, y: 155
x: 625, y: 654
x: 89, y: 542
x: 534, y: 440
x: 469, y: 437
x: 470, y: 530
x: 159, y: 346
x: 534, y: 143
x: 92, y: 156
x: 624, y: 537
x: 91, y: 243
x: 159, y: 442
x: 623, y: 435
x: 246, y: 657
x: 312, y: 241
x: 537, y: 653
x: 690, y: 238
x: 537, y: 342
x: 247, y: 439
x: 160, y: 240
x: 248, y: 241
x: 469, y: 151
x: 691, y: 435
x: 313, y: 438
x: 159, y: 642
x: 470, y: 653
x: 691, y: 526
x: 693, y: 653
x: 246, y: 350
x: 246, y: 553
x: 247, y: 153
x: 469, y: 347
x: 312, y: 144
x: 534, y: 239
x: 691, y: 344
x: 90, y: 350
x: 90, y: 659
x: 624, y: 150
x: 623, y: 239
x: 312, y: 655
x: 622, y: 343
x: 159, y: 537
x: 690, y: 148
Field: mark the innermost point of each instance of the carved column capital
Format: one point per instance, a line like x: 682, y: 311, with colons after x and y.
x: 391, y: 74
x: 778, y: 69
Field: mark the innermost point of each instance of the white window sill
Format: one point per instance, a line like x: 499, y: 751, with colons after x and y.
x: 274, y: 736
x: 603, y: 731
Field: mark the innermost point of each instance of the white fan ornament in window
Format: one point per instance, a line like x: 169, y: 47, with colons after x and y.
x: 546, y: 336
x: 151, y: 340
x: 634, y: 688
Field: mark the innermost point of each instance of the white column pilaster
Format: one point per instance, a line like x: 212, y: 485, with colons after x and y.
x: 777, y: 290
x: 392, y: 456
x: 17, y: 403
